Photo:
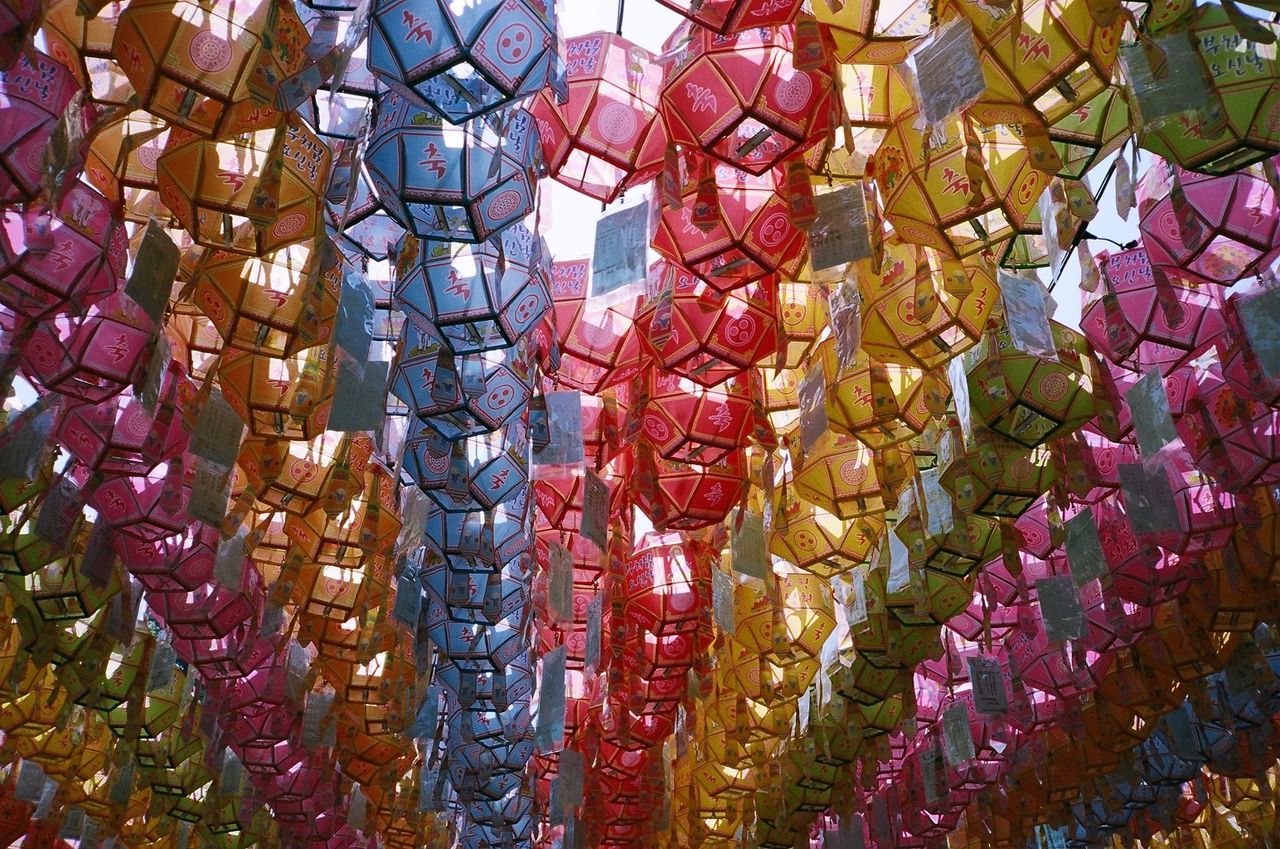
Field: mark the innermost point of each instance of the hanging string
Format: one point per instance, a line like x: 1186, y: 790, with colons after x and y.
x: 622, y: 6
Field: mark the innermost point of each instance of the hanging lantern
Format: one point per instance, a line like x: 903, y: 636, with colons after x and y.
x: 478, y: 296
x: 748, y: 233
x: 973, y: 190
x: 83, y: 44
x: 874, y: 32
x: 464, y: 61
x: 211, y: 71
x: 1208, y: 230
x: 727, y: 16
x: 693, y: 424
x: 251, y: 194
x: 66, y: 262
x: 860, y: 400
x: 280, y: 397
x: 1032, y: 399
x: 37, y: 91
x: 1092, y: 131
x: 608, y: 137
x: 599, y: 343
x: 838, y: 474
x: 686, y: 497
x: 996, y: 476
x: 922, y: 309
x: 819, y: 542
x: 751, y: 115
x: 450, y: 183
x: 1239, y: 78
x: 121, y: 163
x: 94, y: 358
x: 712, y: 337
x: 182, y: 561
x: 112, y: 437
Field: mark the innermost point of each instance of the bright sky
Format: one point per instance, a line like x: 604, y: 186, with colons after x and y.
x: 568, y: 218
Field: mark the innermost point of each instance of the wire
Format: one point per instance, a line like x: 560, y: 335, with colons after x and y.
x: 622, y: 6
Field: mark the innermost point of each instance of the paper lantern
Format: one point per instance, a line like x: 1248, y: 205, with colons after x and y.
x: 280, y: 397
x: 483, y: 296
x: 817, y: 541
x: 725, y: 16
x: 83, y: 44
x: 478, y: 473
x: 181, y: 561
x: 227, y: 193
x: 751, y: 114
x: 839, y: 475
x: 860, y: 400
x: 949, y: 201
x: 1091, y: 132
x: 687, y: 497
x: 686, y: 422
x: 1241, y: 366
x: 1032, y: 399
x: 464, y: 61
x: 922, y: 309
x: 1170, y: 322
x: 94, y: 358
x: 37, y: 91
x: 1208, y: 230
x: 599, y: 343
x: 450, y: 183
x: 608, y: 137
x: 212, y: 71
x: 277, y: 304
x: 121, y: 163
x: 712, y: 337
x: 749, y: 232
x: 116, y: 436
x: 873, y: 31
x: 66, y: 262
x: 1241, y: 75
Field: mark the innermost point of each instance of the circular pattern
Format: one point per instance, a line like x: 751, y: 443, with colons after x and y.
x: 288, y: 226
x: 617, y: 123
x: 515, y: 42
x: 210, y: 52
x: 792, y: 95
x: 853, y: 472
x: 656, y: 428
x: 504, y: 204
x: 774, y: 230
x: 1054, y: 386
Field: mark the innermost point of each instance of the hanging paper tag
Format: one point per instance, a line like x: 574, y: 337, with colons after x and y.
x: 560, y: 583
x: 24, y: 440
x: 353, y: 330
x: 1181, y: 89
x: 31, y: 781
x: 595, y: 509
x: 595, y: 624
x: 1148, y: 499
x: 1260, y: 316
x: 408, y: 607
x: 1084, y: 548
x: 359, y: 400
x: 957, y: 736
x: 564, y: 430
x: 99, y: 561
x: 210, y: 492
x: 932, y: 774
x: 549, y: 733
x: 154, y: 270
x: 1060, y: 608
x: 987, y: 681
x: 899, y: 561
x: 845, y: 307
x: 746, y: 545
x: 571, y: 778
x: 813, y: 406
x: 722, y: 601
x: 1027, y: 316
x: 153, y: 381
x: 622, y: 242
x: 62, y: 506
x: 218, y: 432
x: 841, y: 233
x: 1152, y: 420
x: 948, y: 71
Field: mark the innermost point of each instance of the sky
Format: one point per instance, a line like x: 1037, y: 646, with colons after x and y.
x: 568, y: 218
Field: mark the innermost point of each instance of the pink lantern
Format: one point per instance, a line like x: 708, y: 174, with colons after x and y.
x: 741, y: 98
x: 92, y: 359
x: 150, y: 506
x: 64, y: 262
x: 686, y: 422
x: 599, y: 344
x: 182, y: 561
x: 732, y: 227
x: 1234, y: 438
x: 608, y: 137
x: 119, y: 437
x: 736, y: 15
x: 1240, y: 364
x: 1156, y: 321
x: 1202, y: 516
x: 34, y: 93
x: 1208, y: 230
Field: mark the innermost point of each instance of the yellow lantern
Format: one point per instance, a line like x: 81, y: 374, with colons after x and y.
x: 804, y: 316
x: 206, y: 67
x: 252, y: 193
x: 860, y: 400
x: 276, y: 304
x: 121, y: 163
x: 83, y: 44
x: 1092, y: 131
x: 281, y: 397
x: 838, y: 474
x: 938, y: 196
x: 921, y: 309
x: 817, y: 541
x: 874, y: 32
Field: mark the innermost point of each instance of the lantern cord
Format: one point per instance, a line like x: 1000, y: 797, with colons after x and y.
x: 1128, y: 246
x: 622, y: 5
x: 1080, y: 236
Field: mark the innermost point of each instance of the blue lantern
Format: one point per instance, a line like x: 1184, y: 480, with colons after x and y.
x: 481, y: 296
x: 464, y: 58
x: 460, y: 184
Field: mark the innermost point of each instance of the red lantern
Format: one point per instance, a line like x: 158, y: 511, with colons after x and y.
x: 599, y: 343
x: 749, y: 234
x: 741, y: 98
x: 608, y: 137
x: 690, y: 423
x: 61, y: 263
x: 736, y: 15
x: 35, y: 91
x: 678, y: 496
x: 712, y: 336
x: 1208, y: 230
